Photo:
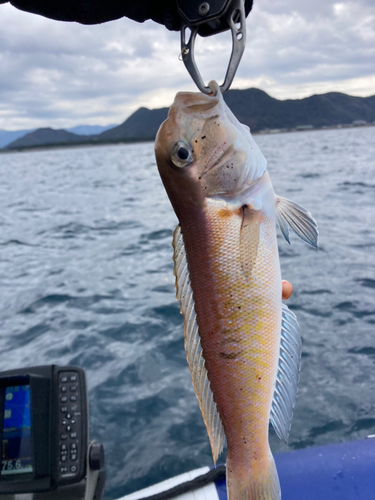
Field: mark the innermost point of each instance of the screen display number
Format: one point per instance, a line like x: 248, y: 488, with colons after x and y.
x: 12, y: 464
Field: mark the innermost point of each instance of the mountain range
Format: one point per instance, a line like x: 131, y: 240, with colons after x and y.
x: 253, y: 107
x: 8, y: 136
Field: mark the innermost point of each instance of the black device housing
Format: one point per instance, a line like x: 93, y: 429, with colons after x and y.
x: 165, y: 12
x: 212, y: 19
x: 48, y: 427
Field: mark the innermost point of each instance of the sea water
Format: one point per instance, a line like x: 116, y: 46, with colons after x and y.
x: 86, y: 279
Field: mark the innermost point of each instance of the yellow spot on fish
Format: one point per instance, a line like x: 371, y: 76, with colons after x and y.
x: 224, y: 213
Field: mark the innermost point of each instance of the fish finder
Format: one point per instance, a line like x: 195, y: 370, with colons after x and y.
x: 44, y: 440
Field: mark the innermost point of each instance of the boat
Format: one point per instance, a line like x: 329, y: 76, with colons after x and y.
x: 343, y: 471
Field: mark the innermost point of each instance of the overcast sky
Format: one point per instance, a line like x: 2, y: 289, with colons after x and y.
x: 64, y: 74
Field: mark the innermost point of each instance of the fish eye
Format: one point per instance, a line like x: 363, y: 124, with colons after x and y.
x: 182, y: 154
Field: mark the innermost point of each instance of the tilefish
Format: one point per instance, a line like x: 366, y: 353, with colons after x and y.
x: 243, y: 345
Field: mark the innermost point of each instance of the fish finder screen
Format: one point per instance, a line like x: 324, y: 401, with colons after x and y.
x: 16, y: 449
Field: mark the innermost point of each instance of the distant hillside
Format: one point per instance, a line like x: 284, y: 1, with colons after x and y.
x: 89, y: 129
x: 253, y: 107
x: 46, y: 136
x: 259, y: 111
x: 143, y: 124
x: 8, y: 136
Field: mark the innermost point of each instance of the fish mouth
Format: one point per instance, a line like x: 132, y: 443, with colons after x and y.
x: 202, y: 106
x: 195, y: 102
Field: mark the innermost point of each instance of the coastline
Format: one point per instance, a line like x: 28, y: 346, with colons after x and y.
x: 88, y: 144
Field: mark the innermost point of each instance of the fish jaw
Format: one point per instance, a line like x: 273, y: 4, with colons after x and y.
x: 225, y: 159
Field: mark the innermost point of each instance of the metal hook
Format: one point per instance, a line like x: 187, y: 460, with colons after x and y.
x: 238, y: 46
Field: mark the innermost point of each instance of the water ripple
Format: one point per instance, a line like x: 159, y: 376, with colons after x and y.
x: 87, y: 278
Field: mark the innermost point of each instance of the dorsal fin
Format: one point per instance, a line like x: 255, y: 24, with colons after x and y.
x: 193, y: 348
x: 287, y: 374
x: 290, y: 214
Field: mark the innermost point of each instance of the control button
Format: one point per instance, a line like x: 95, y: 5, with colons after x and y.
x: 73, y: 388
x: 63, y: 436
x: 63, y: 388
x: 64, y: 422
x: 73, y: 398
x: 63, y: 379
x: 74, y: 408
x: 63, y: 447
x: 63, y: 470
x: 73, y: 457
x: 68, y: 416
x: 73, y: 446
x: 64, y: 452
x: 73, y: 468
x: 63, y: 399
x: 73, y: 435
x: 73, y: 378
x: 68, y: 428
x: 72, y: 421
x: 64, y: 409
x: 63, y: 458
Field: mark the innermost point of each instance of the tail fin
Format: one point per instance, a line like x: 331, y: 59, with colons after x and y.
x: 260, y: 484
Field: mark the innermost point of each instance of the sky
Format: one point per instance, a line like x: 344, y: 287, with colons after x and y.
x: 60, y: 74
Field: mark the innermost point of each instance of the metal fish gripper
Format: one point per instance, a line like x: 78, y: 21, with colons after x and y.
x: 208, y: 18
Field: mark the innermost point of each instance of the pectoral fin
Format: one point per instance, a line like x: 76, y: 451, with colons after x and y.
x: 290, y: 214
x: 249, y: 239
x: 193, y: 347
x: 287, y: 374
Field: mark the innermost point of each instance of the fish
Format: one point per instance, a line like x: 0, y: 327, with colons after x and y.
x: 243, y: 345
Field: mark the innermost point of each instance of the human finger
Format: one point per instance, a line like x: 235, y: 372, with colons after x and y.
x: 287, y: 289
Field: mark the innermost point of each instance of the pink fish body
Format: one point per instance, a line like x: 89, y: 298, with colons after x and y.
x: 243, y: 346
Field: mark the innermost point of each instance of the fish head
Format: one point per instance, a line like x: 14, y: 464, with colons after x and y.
x: 203, y: 151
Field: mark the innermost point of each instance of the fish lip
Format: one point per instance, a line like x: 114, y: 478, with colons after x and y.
x: 215, y: 87
x: 195, y: 102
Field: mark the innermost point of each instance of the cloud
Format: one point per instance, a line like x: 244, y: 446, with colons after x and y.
x: 311, y: 43
x: 64, y: 74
